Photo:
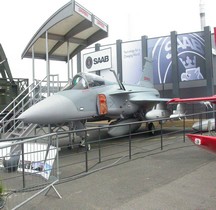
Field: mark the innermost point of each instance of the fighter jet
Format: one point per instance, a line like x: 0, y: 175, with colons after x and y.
x: 92, y: 97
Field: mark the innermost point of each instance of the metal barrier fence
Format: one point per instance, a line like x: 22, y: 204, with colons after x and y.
x: 28, y: 168
x: 38, y: 163
x: 107, y: 151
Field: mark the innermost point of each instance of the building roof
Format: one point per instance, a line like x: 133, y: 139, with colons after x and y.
x: 70, y: 29
x: 5, y: 71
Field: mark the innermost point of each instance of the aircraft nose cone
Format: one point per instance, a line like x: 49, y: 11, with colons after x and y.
x: 54, y: 109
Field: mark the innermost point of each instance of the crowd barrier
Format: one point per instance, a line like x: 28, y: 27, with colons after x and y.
x: 34, y: 165
x: 27, y: 167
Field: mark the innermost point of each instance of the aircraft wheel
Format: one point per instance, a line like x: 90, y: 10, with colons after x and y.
x: 151, y: 128
x: 82, y: 145
x: 70, y: 146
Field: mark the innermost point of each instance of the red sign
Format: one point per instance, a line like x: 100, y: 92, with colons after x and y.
x: 83, y: 12
x: 147, y: 79
x: 100, y: 24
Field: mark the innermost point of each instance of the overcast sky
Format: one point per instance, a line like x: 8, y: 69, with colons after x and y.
x: 127, y: 20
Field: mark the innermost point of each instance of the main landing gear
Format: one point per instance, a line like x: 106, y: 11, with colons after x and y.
x: 80, y: 125
x: 151, y: 128
x: 83, y: 144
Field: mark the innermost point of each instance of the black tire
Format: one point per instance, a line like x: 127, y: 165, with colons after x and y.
x: 151, y: 129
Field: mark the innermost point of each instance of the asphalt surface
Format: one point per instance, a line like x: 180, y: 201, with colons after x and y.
x: 181, y: 176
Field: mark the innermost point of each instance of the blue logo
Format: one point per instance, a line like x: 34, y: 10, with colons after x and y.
x: 89, y: 62
x: 191, y: 57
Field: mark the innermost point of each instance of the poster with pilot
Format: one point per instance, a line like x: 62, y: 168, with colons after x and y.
x: 5, y: 148
x: 38, y: 159
x: 191, y: 57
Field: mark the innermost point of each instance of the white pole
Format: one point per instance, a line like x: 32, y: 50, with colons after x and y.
x: 202, y: 14
x: 47, y: 65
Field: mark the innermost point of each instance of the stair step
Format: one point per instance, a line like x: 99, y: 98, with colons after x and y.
x: 19, y: 128
x: 15, y: 134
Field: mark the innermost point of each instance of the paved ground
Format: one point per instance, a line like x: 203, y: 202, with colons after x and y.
x: 182, y: 176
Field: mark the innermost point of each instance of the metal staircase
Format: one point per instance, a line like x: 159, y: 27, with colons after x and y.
x: 10, y: 126
x: 21, y: 130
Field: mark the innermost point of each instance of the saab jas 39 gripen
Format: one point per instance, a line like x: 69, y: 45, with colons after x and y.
x: 90, y: 97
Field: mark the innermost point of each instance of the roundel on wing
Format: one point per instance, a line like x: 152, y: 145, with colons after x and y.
x: 89, y: 62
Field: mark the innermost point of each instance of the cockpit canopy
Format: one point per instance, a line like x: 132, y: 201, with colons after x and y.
x: 86, y: 80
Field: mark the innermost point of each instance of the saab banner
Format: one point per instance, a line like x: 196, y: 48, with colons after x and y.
x: 215, y: 35
x: 131, y: 62
x: 98, y: 60
x: 191, y: 57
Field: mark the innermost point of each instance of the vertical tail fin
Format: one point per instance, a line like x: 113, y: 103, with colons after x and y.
x: 146, y: 78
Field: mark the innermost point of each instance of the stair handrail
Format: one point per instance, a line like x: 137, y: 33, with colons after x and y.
x: 12, y: 103
x: 38, y: 84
